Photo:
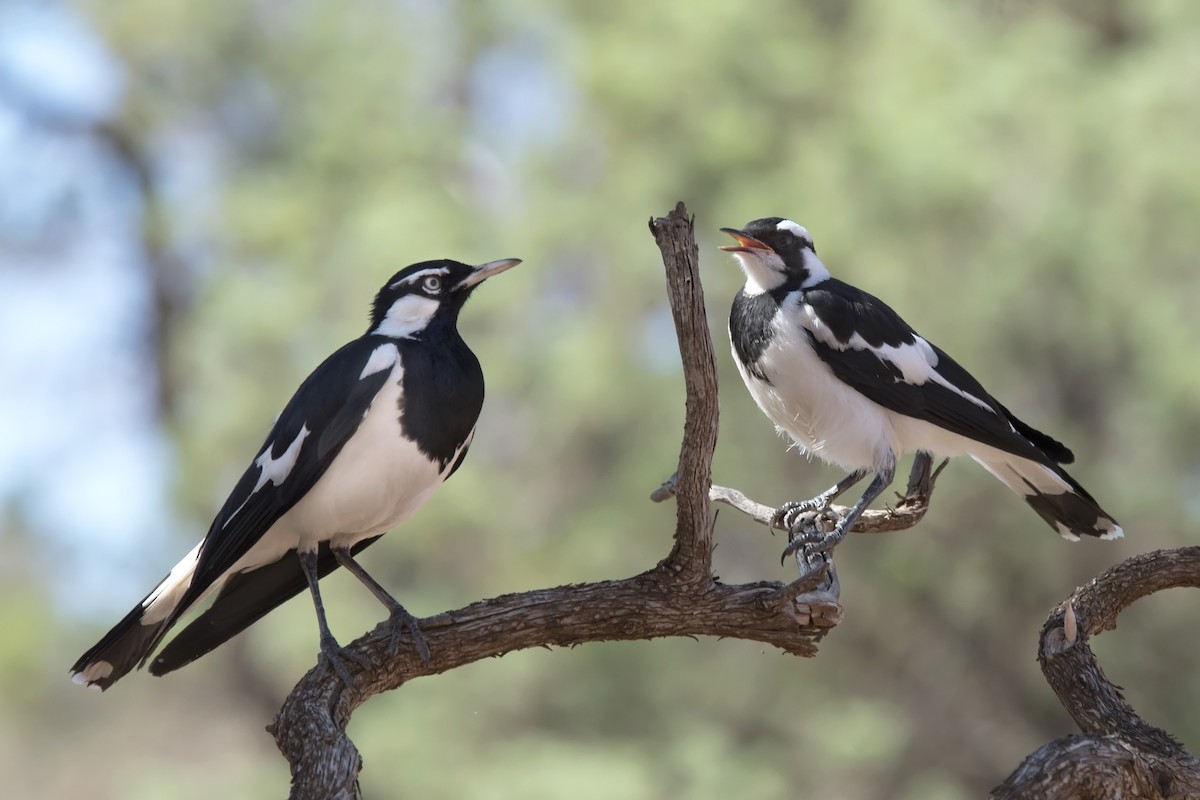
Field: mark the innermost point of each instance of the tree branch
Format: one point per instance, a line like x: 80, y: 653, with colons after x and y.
x: 678, y: 597
x: 1120, y: 754
x: 675, y: 234
x: 908, y: 512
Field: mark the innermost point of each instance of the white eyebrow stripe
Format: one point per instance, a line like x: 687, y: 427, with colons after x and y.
x: 795, y: 228
x: 440, y: 271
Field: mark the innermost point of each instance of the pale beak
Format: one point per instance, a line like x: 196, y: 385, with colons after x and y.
x: 484, y: 271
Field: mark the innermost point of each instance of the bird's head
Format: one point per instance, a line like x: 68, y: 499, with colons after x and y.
x: 419, y: 294
x: 775, y: 252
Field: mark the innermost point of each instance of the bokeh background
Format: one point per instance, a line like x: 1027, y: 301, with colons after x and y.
x: 198, y: 200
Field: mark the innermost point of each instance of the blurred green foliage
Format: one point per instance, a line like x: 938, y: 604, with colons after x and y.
x: 1018, y: 179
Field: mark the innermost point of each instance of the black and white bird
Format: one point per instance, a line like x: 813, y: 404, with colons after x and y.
x: 361, y: 446
x: 845, y: 377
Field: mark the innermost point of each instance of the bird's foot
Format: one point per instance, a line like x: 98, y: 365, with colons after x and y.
x: 402, y: 622
x: 811, y: 536
x: 335, y: 657
x: 787, y: 516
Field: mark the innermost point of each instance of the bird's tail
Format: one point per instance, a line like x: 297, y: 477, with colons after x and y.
x: 1054, y: 495
x: 243, y: 599
x: 133, y: 639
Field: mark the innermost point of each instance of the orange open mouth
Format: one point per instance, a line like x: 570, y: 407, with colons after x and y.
x: 745, y: 242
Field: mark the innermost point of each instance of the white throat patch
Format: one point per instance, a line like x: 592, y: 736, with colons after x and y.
x: 408, y: 315
x: 763, y: 269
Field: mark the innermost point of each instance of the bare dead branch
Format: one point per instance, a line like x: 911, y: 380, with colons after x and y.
x: 1078, y: 767
x: 310, y: 728
x: 907, y: 513
x: 675, y: 235
x: 1120, y: 754
x: 678, y: 597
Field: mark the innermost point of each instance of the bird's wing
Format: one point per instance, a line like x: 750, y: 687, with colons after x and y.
x: 310, y: 432
x: 869, y: 347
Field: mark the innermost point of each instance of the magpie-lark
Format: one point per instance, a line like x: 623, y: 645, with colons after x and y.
x: 362, y: 445
x: 848, y: 380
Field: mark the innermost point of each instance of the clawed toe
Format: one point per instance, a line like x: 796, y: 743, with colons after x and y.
x: 787, y: 516
x: 811, y: 535
x: 810, y: 550
x: 402, y: 622
x: 803, y: 536
x: 335, y: 657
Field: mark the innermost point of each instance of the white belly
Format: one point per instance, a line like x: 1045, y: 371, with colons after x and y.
x: 821, y: 414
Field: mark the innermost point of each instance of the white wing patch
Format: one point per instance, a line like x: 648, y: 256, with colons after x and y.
x: 817, y: 327
x: 382, y: 357
x: 276, y: 470
x: 917, y: 361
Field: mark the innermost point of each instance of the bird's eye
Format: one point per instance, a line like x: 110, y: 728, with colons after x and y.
x: 432, y: 284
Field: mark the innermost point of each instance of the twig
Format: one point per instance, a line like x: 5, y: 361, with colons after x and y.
x: 907, y: 513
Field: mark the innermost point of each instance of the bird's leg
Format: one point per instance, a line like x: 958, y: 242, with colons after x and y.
x: 788, y: 513
x: 814, y: 542
x: 397, y: 614
x: 333, y: 653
